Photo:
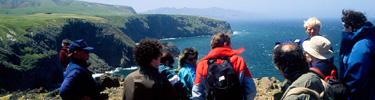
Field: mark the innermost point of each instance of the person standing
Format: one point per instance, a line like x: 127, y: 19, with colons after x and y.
x: 291, y: 63
x: 312, y: 28
x: 64, y: 58
x: 221, y: 47
x: 78, y: 83
x: 187, y: 66
x: 147, y: 83
x: 357, y: 55
x: 317, y: 50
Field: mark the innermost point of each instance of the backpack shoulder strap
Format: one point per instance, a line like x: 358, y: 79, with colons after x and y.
x: 300, y: 90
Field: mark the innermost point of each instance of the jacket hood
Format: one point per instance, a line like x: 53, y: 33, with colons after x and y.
x: 366, y: 30
x: 222, y: 51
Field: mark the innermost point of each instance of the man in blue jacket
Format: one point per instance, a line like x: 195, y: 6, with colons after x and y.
x: 78, y: 82
x: 357, y: 56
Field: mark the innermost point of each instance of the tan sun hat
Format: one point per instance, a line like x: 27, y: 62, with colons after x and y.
x: 319, y: 47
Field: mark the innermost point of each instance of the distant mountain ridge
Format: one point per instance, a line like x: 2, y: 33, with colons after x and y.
x: 214, y: 12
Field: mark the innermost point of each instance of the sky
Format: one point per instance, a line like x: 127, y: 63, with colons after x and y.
x: 277, y: 8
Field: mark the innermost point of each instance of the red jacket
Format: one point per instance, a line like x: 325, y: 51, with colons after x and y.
x: 64, y: 58
x: 238, y: 64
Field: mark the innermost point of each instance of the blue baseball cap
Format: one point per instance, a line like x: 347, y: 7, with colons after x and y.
x: 79, y: 45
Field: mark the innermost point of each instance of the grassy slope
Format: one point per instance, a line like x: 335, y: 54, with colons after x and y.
x: 76, y: 7
x: 18, y: 24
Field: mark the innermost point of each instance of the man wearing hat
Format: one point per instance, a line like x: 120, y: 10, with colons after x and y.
x: 289, y: 59
x: 78, y: 82
x: 318, y: 52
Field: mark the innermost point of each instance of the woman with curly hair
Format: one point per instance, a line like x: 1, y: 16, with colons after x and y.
x: 147, y: 83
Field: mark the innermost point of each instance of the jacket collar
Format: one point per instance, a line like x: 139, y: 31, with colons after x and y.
x: 222, y: 51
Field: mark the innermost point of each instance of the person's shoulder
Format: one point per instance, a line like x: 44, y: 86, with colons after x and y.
x: 305, y: 79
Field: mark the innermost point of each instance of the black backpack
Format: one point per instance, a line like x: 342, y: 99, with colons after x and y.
x: 222, y: 81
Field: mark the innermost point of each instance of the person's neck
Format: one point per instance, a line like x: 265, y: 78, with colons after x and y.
x: 82, y: 63
x: 314, y: 62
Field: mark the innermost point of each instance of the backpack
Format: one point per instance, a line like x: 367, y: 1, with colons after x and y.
x: 318, y: 96
x: 340, y: 90
x: 222, y: 81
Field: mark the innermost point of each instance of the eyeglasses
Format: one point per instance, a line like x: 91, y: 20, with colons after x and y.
x: 192, y: 59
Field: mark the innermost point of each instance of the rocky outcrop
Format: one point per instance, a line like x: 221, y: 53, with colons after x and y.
x: 171, y: 48
x: 162, y: 26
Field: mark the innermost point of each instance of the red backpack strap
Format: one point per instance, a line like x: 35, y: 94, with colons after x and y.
x: 318, y: 71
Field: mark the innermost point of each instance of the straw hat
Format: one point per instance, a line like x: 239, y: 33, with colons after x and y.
x: 319, y: 47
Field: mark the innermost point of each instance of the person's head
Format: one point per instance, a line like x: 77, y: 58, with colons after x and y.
x: 147, y: 53
x: 352, y: 20
x: 318, y: 48
x: 66, y: 42
x: 290, y: 61
x: 312, y: 26
x: 221, y: 40
x: 188, y: 55
x: 79, y: 50
x: 167, y: 59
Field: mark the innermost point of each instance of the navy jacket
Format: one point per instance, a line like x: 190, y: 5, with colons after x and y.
x: 357, y: 62
x: 78, y: 83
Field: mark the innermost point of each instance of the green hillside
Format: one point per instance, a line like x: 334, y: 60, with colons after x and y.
x: 12, y: 28
x: 139, y: 26
x: 27, y: 7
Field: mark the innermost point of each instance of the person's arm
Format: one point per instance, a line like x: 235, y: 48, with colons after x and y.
x: 198, y: 87
x: 69, y: 89
x: 246, y: 80
x: 359, y: 65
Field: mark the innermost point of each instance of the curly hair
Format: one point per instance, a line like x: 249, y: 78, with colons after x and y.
x: 219, y: 39
x: 285, y: 55
x: 353, y: 18
x: 146, y: 50
x: 166, y: 56
x: 183, y: 56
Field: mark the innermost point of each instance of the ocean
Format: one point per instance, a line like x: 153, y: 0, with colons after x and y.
x: 258, y: 38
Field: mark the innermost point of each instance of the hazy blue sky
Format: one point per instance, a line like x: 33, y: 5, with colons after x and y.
x: 278, y: 8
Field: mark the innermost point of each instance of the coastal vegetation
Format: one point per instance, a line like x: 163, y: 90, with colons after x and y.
x: 31, y: 32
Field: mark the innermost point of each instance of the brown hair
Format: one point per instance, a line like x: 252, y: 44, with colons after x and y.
x: 183, y: 56
x: 166, y: 56
x: 353, y: 18
x: 219, y: 39
x: 146, y: 50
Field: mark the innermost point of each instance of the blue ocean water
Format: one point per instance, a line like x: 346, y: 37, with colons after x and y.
x: 259, y: 37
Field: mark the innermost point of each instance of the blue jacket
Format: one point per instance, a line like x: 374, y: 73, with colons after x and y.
x: 187, y: 76
x: 78, y: 83
x: 357, y: 62
x: 166, y: 71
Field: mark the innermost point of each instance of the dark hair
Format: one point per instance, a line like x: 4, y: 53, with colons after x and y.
x: 146, y: 50
x: 166, y: 56
x: 66, y: 42
x: 353, y: 18
x: 289, y: 58
x: 183, y: 56
x: 219, y: 39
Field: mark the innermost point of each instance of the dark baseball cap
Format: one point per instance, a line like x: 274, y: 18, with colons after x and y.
x: 79, y: 45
